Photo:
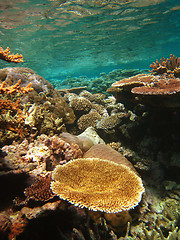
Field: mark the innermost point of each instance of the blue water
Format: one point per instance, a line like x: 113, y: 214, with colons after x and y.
x: 72, y: 38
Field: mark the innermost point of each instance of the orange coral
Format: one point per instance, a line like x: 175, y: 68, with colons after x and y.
x: 12, y: 117
x: 6, y: 104
x: 4, y: 88
x: 8, y: 57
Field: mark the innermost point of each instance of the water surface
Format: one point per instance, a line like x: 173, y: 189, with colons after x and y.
x: 72, y: 38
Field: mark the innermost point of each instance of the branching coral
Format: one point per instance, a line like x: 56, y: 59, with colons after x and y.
x: 98, y: 185
x: 16, y: 88
x: 12, y: 117
x: 170, y: 65
x: 8, y: 57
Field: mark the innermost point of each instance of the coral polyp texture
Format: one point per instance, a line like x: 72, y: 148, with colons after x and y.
x: 40, y: 190
x: 99, y: 185
x: 8, y: 57
x: 170, y: 65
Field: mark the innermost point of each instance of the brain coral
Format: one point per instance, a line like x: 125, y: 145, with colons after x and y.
x: 97, y: 184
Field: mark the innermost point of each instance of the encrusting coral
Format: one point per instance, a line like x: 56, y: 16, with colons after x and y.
x: 99, y: 185
x: 8, y: 57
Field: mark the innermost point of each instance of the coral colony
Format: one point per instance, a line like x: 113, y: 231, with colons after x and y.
x: 84, y: 165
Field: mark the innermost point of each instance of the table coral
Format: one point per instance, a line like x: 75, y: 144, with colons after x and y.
x: 155, y: 90
x: 8, y: 57
x: 99, y: 185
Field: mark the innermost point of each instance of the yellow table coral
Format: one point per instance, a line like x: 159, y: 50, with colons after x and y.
x: 99, y: 185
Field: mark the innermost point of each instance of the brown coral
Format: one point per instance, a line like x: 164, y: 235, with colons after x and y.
x: 169, y: 65
x: 98, y: 185
x: 141, y: 87
x: 111, y: 121
x: 106, y: 152
x: 88, y: 120
x: 8, y: 57
x: 80, y: 104
x: 40, y: 191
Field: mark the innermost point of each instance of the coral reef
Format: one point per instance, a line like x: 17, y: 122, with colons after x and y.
x: 8, y: 57
x: 99, y: 185
x: 142, y: 141
x: 98, y: 85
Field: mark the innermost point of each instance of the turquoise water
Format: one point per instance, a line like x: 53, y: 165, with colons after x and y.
x: 81, y: 37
